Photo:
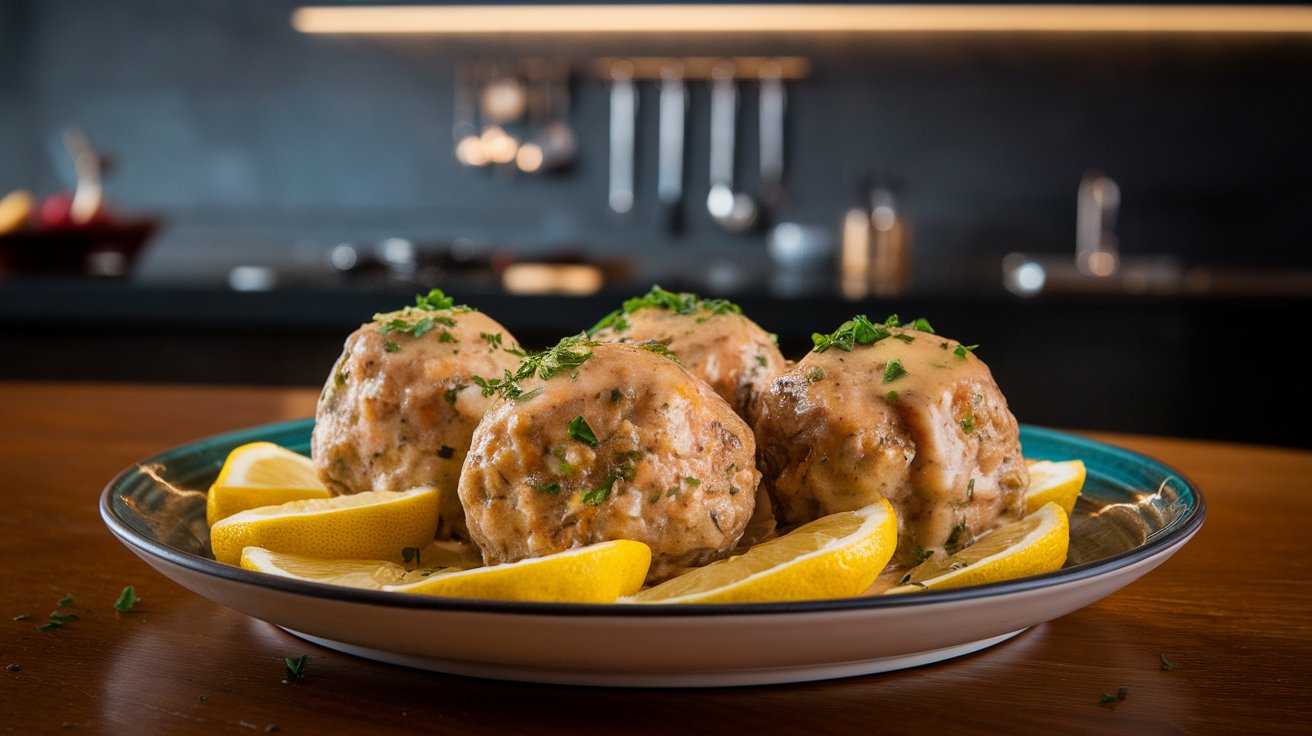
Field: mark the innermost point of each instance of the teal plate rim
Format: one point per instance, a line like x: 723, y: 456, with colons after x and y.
x: 1103, y: 462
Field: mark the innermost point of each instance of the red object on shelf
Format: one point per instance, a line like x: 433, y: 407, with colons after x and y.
x: 96, y: 249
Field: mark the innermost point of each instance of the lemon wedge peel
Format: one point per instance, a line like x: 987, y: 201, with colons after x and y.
x: 1056, y: 481
x: 369, y: 525
x: 261, y: 474
x: 836, y: 556
x: 598, y: 573
x: 1034, y: 545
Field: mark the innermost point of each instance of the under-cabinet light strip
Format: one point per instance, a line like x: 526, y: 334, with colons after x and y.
x: 542, y: 19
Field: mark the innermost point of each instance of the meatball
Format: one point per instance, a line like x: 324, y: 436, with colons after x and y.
x: 886, y: 411
x: 711, y: 337
x: 400, y: 406
x: 598, y: 441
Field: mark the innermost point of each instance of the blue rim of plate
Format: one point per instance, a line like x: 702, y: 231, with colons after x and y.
x: 295, y: 434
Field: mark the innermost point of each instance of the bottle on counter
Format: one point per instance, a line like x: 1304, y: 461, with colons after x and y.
x: 875, y: 252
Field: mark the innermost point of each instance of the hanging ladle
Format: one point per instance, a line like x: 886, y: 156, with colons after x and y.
x: 733, y: 212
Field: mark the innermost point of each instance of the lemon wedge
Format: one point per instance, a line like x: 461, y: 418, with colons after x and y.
x: 1059, y: 482
x: 1031, y: 546
x: 835, y: 556
x: 598, y: 573
x: 367, y: 574
x: 261, y: 474
x: 370, y: 525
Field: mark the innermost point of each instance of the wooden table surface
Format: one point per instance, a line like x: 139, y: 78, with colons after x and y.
x: 1233, y: 611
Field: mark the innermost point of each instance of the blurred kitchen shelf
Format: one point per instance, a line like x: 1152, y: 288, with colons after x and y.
x: 1151, y: 364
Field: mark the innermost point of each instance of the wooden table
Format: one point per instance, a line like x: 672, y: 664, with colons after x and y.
x: 1233, y: 611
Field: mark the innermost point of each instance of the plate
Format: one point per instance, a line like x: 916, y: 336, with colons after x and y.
x: 1134, y: 513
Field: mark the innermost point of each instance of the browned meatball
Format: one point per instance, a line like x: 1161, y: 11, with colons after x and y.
x: 401, y: 405
x: 908, y: 416
x: 596, y: 442
x: 711, y: 337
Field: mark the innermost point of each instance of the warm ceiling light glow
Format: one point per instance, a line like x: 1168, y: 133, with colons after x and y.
x: 529, y: 19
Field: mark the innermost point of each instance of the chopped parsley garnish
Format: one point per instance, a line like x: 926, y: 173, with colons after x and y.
x: 296, y: 667
x: 961, y: 350
x: 447, y: 336
x: 904, y: 338
x: 692, y: 481
x: 434, y: 300
x: 920, y: 324
x: 391, y: 347
x: 400, y: 326
x: 1167, y: 664
x: 493, y: 339
x: 595, y: 496
x: 658, y: 298
x: 580, y: 430
x: 410, y: 554
x: 66, y: 601
x: 404, y: 321
x: 894, y: 370
x: 923, y: 554
x: 968, y: 421
x: 569, y: 353
x: 970, y: 489
x: 58, y: 620
x: 446, y: 451
x: 551, y: 489
x: 655, y: 346
x: 761, y: 361
x: 891, y: 397
x: 452, y: 391
x: 127, y: 599
x: 815, y: 374
x: 861, y: 331
x: 957, y: 530
x: 1106, y: 698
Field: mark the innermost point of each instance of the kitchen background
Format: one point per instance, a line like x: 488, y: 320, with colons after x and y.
x: 260, y: 151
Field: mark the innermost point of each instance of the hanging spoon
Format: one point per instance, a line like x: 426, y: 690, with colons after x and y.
x: 733, y: 212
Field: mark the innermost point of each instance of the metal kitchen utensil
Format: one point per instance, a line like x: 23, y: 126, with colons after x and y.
x: 88, y: 196
x: 623, y: 121
x: 733, y: 212
x: 673, y: 122
x: 773, y: 100
x: 464, y: 127
x: 558, y: 142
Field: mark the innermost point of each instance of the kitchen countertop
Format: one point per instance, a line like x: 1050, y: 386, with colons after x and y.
x: 1233, y: 611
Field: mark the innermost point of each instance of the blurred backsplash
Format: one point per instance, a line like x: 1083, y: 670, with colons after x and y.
x: 259, y: 145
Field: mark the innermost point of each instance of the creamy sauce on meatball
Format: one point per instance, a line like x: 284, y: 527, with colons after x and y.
x: 712, y: 338
x: 624, y: 445
x: 914, y: 418
x: 400, y: 406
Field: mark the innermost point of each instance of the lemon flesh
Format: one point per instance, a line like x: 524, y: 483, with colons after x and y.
x: 370, y: 525
x: 598, y: 573
x: 1031, y: 546
x: 1059, y: 482
x: 261, y: 474
x: 836, y: 556
x: 366, y: 574
x: 438, y: 557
